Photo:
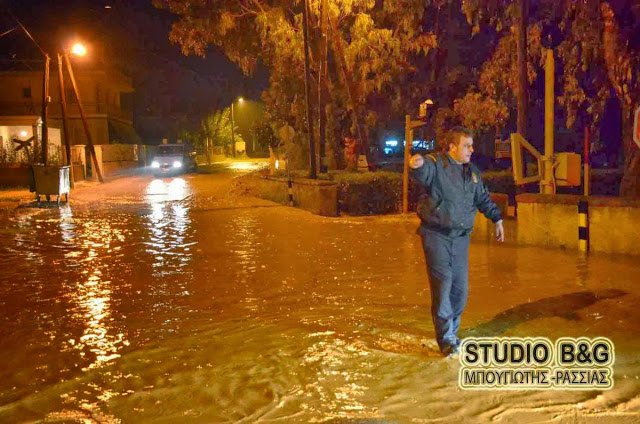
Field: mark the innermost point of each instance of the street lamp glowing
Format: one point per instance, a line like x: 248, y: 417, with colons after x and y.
x: 78, y: 50
x: 240, y: 100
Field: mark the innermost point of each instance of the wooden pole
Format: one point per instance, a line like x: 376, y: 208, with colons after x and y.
x: 45, y: 104
x: 92, y: 151
x: 547, y: 185
x: 307, y: 77
x: 65, y: 124
x: 63, y: 102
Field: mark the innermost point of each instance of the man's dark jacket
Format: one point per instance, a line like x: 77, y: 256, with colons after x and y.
x: 453, y: 194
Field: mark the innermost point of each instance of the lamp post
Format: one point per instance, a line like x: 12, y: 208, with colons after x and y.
x: 409, y: 126
x: 233, y: 124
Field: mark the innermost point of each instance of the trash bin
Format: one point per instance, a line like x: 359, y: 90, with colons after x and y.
x: 50, y: 181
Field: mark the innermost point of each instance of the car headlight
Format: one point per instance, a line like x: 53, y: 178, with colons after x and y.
x: 177, y: 164
x: 155, y: 164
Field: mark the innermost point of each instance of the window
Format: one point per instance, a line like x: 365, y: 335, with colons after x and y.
x: 26, y: 92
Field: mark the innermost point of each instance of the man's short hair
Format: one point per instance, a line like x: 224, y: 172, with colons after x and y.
x: 455, y: 133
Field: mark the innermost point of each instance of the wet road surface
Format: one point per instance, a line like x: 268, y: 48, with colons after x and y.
x: 179, y: 300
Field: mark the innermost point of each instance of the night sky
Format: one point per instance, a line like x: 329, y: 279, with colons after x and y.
x: 172, y: 91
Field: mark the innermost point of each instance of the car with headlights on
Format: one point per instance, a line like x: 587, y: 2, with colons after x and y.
x: 173, y: 159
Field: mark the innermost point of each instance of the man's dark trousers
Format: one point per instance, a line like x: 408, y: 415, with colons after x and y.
x: 447, y: 260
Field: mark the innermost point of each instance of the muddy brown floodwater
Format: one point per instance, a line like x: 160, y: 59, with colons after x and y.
x: 179, y: 300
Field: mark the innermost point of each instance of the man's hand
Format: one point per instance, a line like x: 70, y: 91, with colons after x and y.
x: 499, y: 231
x: 416, y: 161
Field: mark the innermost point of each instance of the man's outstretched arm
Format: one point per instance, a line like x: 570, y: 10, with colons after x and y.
x: 423, y: 169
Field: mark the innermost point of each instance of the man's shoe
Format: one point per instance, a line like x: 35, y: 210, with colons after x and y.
x: 451, y: 350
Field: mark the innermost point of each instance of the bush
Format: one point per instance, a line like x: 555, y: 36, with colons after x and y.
x: 372, y: 193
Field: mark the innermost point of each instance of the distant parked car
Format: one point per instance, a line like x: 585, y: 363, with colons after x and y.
x: 173, y: 159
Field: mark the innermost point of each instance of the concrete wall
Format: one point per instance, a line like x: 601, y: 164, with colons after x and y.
x: 78, y: 172
x: 14, y: 176
x: 552, y: 221
x: 545, y: 220
x: 118, y: 168
x: 614, y: 225
x: 319, y: 197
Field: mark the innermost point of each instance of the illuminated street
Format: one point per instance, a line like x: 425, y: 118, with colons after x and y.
x: 179, y: 300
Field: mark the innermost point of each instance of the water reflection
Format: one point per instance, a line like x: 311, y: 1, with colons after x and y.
x: 169, y: 242
x: 66, y: 224
x: 92, y: 295
x: 168, y: 224
x: 245, y: 243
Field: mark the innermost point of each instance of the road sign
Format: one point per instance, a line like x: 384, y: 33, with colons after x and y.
x: 502, y: 148
x: 636, y: 126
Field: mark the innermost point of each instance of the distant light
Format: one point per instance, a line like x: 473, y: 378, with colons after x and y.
x: 23, y: 133
x: 177, y: 164
x: 244, y: 166
x: 240, y: 100
x: 155, y: 164
x: 277, y: 164
x: 107, y: 7
x: 78, y: 50
x: 391, y: 143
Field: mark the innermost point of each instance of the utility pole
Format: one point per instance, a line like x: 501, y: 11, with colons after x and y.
x: 45, y: 104
x: 65, y: 124
x: 307, y: 77
x: 547, y: 186
x: 92, y: 150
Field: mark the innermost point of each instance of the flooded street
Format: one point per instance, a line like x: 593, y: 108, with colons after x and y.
x: 179, y: 300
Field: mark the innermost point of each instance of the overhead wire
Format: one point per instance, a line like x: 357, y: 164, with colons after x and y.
x: 8, y: 32
x: 26, y: 31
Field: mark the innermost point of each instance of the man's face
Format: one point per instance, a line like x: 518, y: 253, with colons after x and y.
x: 463, y: 150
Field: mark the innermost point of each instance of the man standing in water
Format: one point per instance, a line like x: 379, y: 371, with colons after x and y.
x: 454, y: 191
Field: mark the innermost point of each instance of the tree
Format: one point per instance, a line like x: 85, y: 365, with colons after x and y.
x: 623, y: 69
x: 372, y: 46
x: 264, y: 136
x: 598, y: 51
x: 216, y: 128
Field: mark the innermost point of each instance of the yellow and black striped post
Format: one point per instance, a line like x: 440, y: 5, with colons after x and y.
x: 290, y: 188
x: 583, y: 226
x: 511, y: 205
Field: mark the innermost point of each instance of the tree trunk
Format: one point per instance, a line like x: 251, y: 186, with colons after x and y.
x: 618, y: 61
x: 322, y: 81
x: 338, y: 51
x: 523, y: 82
x: 630, y: 186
